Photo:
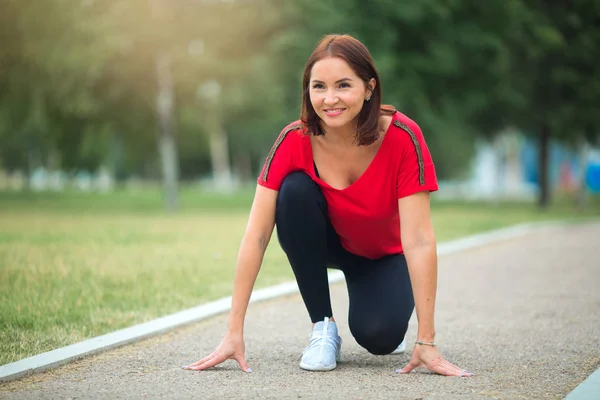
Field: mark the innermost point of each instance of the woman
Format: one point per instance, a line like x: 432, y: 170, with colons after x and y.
x: 348, y: 187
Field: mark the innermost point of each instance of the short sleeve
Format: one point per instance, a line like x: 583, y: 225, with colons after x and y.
x: 279, y: 161
x: 416, y: 172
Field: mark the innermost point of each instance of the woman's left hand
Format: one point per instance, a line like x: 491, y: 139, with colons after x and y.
x: 430, y: 358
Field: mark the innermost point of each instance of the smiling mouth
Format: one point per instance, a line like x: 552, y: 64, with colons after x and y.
x: 333, y: 111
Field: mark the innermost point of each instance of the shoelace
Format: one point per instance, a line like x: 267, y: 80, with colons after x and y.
x: 321, y: 339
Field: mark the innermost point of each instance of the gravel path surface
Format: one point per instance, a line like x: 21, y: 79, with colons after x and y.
x: 524, y: 315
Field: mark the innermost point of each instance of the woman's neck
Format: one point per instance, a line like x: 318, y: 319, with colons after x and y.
x: 344, y: 136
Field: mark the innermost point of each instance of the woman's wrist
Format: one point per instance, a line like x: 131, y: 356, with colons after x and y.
x: 235, y: 327
x: 428, y: 336
x: 424, y: 343
x: 235, y: 332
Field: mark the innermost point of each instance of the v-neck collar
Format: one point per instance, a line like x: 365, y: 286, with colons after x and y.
x: 365, y: 172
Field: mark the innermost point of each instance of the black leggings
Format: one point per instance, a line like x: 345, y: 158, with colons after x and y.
x: 381, y: 298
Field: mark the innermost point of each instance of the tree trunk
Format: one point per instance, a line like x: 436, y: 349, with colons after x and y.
x: 167, y: 145
x: 210, y: 92
x: 243, y: 167
x: 544, y: 181
x: 219, y: 152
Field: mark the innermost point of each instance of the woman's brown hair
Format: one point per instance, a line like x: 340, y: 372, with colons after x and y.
x: 359, y: 59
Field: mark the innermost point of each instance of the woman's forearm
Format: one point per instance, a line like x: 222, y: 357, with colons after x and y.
x: 248, y: 264
x: 422, y: 266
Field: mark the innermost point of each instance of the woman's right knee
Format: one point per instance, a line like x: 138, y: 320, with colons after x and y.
x: 296, y: 187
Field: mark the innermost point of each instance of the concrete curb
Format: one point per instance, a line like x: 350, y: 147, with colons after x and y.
x: 64, y: 355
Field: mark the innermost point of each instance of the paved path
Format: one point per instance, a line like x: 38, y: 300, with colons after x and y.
x: 524, y: 315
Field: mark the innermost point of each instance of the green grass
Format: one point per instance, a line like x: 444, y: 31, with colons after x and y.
x: 74, y: 266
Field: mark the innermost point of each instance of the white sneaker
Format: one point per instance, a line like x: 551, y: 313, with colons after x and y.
x: 401, y: 348
x: 323, y: 352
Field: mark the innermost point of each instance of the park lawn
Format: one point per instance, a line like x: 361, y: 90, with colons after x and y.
x: 75, y: 266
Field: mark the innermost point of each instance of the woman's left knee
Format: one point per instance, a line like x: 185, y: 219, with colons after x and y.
x: 378, y: 338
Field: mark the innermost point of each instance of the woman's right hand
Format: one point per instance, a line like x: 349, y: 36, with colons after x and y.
x: 258, y: 233
x: 231, y: 348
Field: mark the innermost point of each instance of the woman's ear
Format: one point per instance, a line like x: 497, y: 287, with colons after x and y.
x: 371, y: 87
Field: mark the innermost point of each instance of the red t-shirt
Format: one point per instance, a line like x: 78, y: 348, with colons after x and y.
x: 365, y: 214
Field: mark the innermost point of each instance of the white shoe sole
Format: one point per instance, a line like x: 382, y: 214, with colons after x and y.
x: 401, y: 348
x: 318, y: 367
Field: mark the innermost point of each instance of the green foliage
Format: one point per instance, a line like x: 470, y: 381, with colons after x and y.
x: 556, y: 56
x: 78, y: 78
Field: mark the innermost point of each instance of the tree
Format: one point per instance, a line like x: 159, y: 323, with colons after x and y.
x: 555, y: 56
x: 445, y: 64
x: 41, y: 81
x: 89, y: 83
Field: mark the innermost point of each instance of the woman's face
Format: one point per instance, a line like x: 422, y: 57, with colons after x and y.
x: 336, y: 93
